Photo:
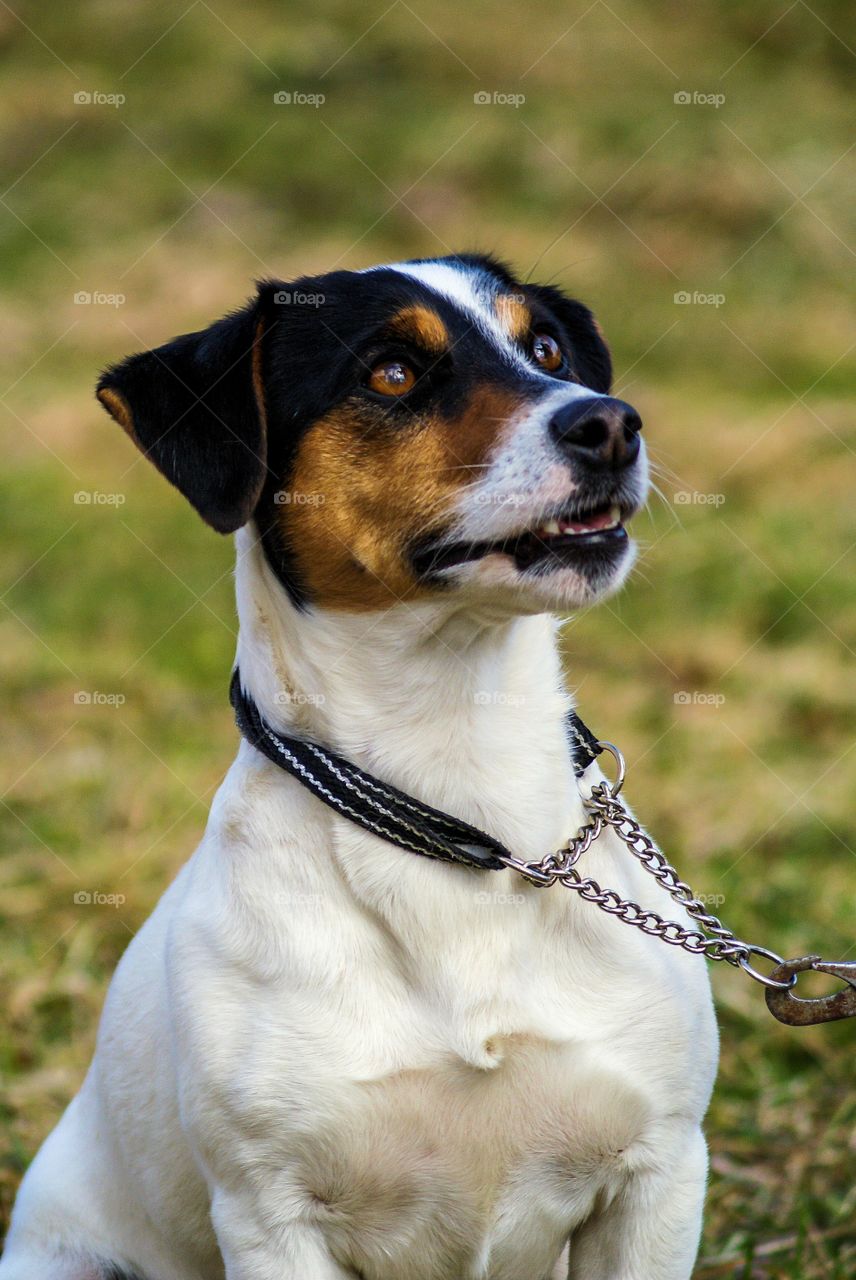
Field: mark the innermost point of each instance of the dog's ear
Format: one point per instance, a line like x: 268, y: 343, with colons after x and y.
x: 196, y: 409
x: 592, y: 361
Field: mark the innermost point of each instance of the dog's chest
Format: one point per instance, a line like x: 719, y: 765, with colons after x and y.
x: 455, y: 1076
x: 465, y: 1169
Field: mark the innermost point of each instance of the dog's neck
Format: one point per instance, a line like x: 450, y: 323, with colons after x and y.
x: 466, y: 712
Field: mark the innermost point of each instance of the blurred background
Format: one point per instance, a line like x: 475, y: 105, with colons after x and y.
x: 688, y: 171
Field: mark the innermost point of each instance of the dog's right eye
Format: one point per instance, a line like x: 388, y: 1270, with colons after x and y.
x: 391, y: 378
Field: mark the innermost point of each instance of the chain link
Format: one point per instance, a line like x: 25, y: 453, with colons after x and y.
x: 711, y: 938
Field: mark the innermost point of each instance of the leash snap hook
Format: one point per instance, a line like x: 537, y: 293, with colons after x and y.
x: 798, y: 1012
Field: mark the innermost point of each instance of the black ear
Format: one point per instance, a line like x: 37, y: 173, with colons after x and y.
x: 196, y: 408
x: 592, y: 360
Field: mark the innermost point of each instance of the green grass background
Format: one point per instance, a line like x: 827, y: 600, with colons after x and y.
x: 599, y: 180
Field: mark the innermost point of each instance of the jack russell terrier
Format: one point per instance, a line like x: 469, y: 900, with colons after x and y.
x: 325, y: 1056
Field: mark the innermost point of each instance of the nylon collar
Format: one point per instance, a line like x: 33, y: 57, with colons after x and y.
x: 379, y: 807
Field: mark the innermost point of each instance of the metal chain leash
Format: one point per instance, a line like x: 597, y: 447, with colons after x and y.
x: 711, y: 938
x: 411, y: 825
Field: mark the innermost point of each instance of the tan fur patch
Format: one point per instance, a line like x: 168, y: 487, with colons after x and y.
x: 513, y: 315
x: 258, y: 377
x: 361, y: 493
x: 423, y: 326
x: 118, y: 407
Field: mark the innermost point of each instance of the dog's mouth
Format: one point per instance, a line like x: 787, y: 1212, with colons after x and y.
x: 563, y: 540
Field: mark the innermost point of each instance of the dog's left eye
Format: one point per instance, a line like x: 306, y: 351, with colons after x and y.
x: 546, y: 352
x: 391, y: 378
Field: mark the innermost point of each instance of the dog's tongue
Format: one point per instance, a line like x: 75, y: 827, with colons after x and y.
x: 586, y: 524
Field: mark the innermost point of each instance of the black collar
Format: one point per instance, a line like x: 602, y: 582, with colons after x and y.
x: 379, y: 807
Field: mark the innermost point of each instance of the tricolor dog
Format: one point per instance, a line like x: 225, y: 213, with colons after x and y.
x: 325, y: 1056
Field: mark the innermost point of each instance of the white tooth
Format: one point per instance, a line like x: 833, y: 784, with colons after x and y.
x: 615, y: 515
x: 551, y: 528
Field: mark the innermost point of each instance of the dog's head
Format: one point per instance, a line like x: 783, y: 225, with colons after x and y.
x: 423, y: 428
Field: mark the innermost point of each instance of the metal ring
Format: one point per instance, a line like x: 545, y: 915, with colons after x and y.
x: 622, y: 767
x: 543, y: 879
x: 744, y: 964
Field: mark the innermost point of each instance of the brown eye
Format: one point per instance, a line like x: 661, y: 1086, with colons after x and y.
x: 392, y: 378
x: 547, y: 352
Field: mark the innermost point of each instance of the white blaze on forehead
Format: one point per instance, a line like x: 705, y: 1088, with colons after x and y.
x: 473, y: 292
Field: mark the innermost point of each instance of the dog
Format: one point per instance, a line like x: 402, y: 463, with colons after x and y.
x: 324, y: 1056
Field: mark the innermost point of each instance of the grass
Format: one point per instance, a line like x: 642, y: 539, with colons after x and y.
x: 744, y: 590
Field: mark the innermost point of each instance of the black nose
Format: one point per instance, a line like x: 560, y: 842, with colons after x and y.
x: 599, y: 431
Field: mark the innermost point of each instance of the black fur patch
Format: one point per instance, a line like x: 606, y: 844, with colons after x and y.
x: 193, y: 411
x: 590, y: 355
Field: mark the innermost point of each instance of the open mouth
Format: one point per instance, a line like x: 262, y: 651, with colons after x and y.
x: 562, y: 540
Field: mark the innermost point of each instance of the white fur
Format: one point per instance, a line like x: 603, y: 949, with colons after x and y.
x: 473, y: 293
x: 528, y: 479
x: 325, y: 1057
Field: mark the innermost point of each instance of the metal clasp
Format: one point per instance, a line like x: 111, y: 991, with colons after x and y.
x: 795, y: 1011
